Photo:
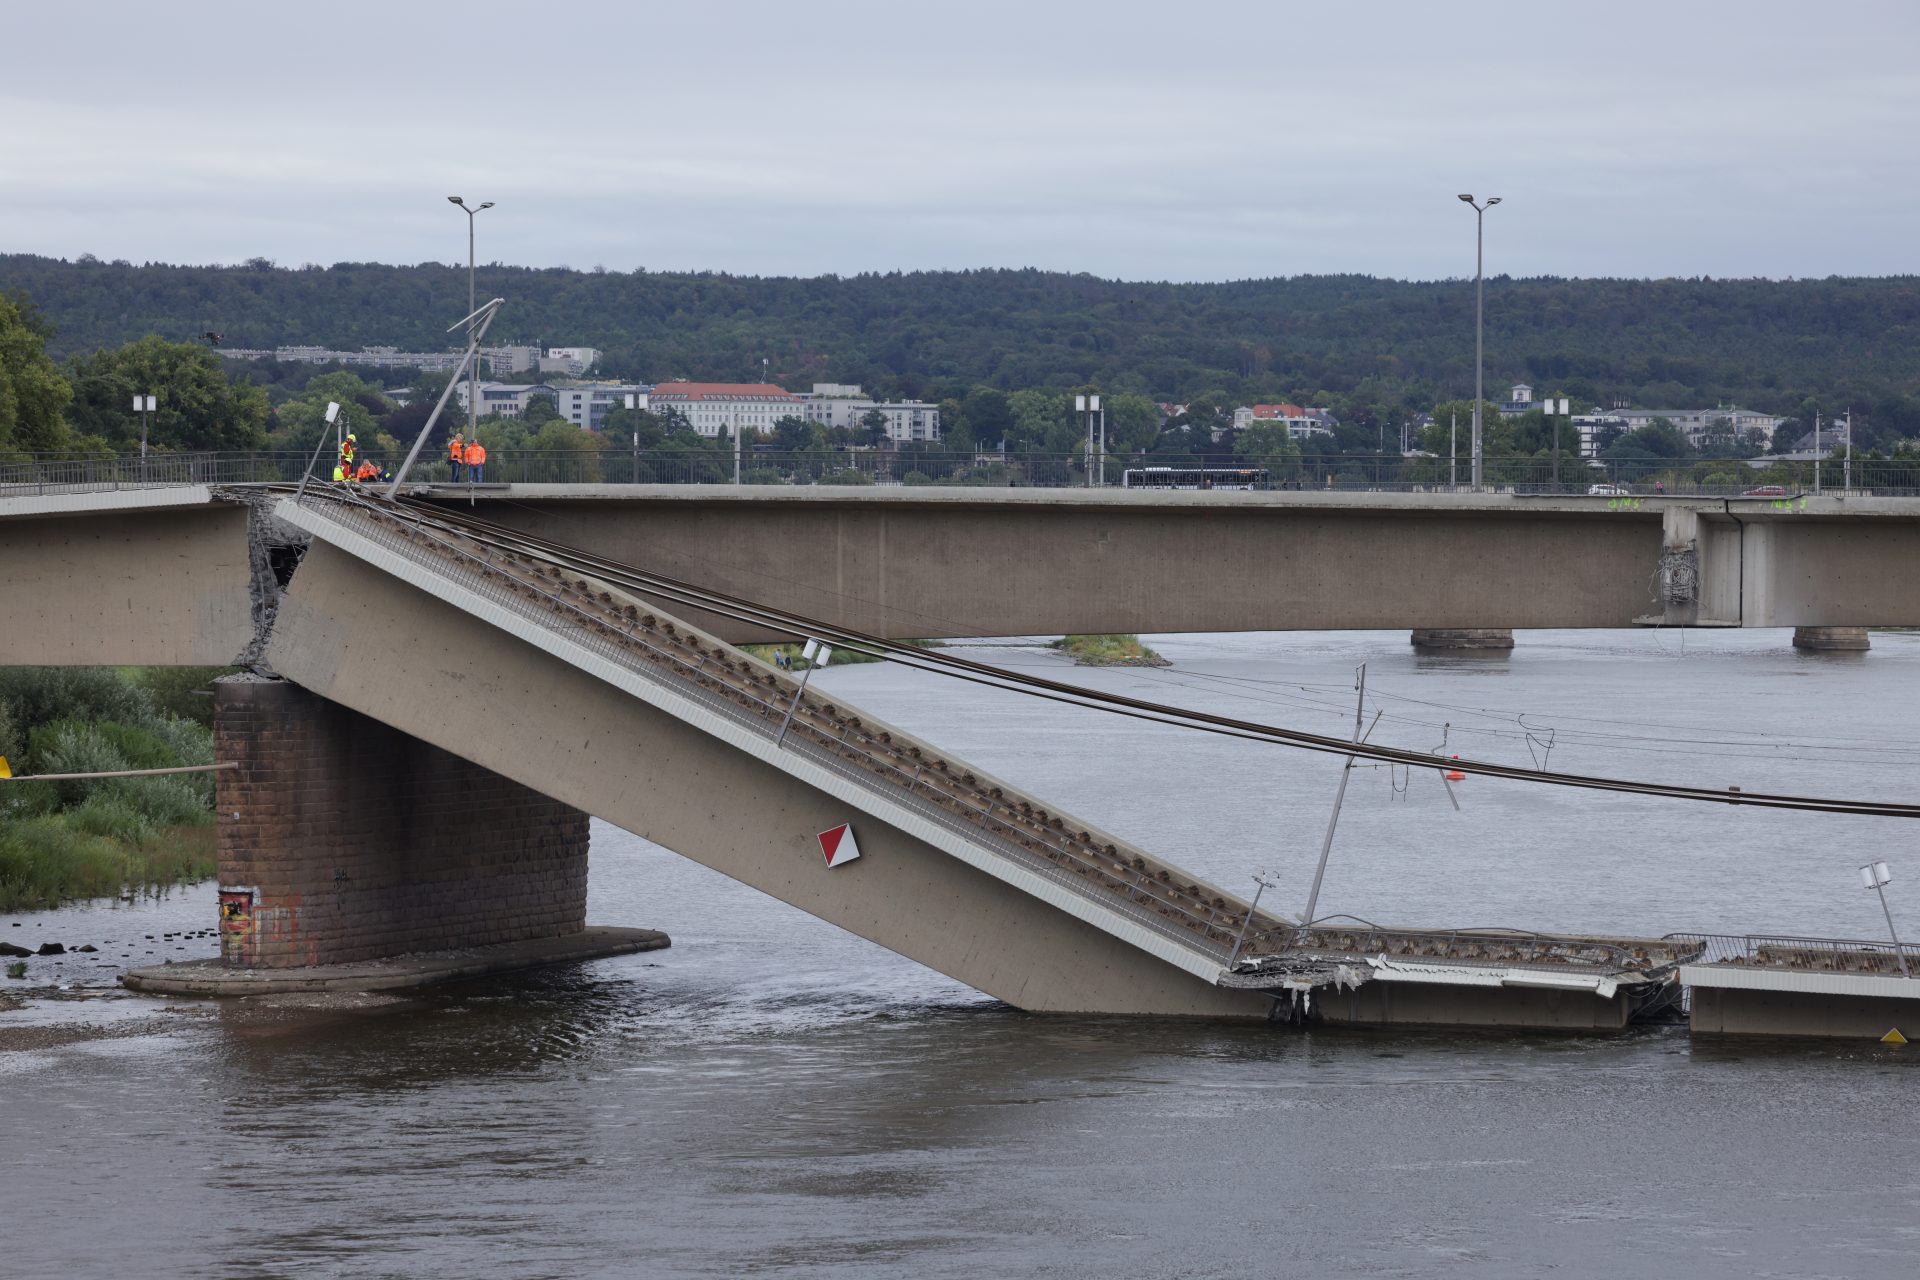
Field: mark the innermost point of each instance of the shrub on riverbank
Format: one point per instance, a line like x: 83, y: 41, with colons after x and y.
x: 93, y: 838
x: 1109, y: 651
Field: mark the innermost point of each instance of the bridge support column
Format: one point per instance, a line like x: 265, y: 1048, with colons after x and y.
x: 344, y: 841
x: 1832, y: 639
x: 1482, y: 638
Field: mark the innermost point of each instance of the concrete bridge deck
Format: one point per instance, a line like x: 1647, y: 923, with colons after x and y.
x: 175, y: 575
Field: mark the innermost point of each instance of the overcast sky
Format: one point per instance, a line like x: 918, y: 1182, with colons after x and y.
x: 1182, y: 139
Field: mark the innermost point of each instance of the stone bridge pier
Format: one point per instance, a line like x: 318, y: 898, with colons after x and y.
x: 354, y: 856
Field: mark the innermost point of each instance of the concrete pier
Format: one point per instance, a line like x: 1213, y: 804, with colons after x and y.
x: 1832, y: 639
x: 1483, y: 639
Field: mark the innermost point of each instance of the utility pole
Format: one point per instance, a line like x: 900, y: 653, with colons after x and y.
x: 1453, y: 449
x: 473, y: 367
x: 144, y: 406
x: 1846, y: 479
x: 1479, y: 319
x: 1877, y: 876
x: 1339, y: 798
x: 1816, y: 452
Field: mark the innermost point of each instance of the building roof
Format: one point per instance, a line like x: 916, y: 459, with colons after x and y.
x: 1278, y: 411
x: 722, y: 391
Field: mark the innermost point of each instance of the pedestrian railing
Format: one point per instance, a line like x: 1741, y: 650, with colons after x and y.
x: 1820, y: 955
x: 1145, y: 892
x: 1478, y: 947
x: 1604, y: 482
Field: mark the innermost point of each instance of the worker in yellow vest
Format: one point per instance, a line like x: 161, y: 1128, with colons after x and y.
x: 348, y: 447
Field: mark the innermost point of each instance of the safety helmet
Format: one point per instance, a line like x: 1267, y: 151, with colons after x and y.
x: 352, y: 436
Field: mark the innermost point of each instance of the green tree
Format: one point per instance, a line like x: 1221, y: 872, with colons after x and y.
x: 539, y: 412
x: 199, y: 406
x: 1269, y: 445
x: 875, y: 423
x: 1132, y: 422
x: 33, y: 395
x: 988, y: 417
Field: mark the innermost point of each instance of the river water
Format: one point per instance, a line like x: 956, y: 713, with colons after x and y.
x: 774, y: 1097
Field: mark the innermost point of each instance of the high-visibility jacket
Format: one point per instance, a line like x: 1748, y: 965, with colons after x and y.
x: 367, y: 471
x: 339, y: 473
x: 456, y: 454
x: 476, y: 454
x: 346, y: 452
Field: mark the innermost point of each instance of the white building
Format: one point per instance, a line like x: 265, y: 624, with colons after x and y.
x: 503, y: 361
x: 1697, y: 424
x: 587, y: 404
x: 712, y: 408
x: 568, y: 362
x: 1301, y: 422
x: 502, y: 399
x: 835, y: 404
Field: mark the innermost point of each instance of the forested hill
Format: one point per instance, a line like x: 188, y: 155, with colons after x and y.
x: 1764, y: 344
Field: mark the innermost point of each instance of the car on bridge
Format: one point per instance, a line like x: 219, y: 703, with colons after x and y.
x: 1608, y: 491
x: 1766, y: 491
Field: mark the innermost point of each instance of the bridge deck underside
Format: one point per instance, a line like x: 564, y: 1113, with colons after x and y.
x: 371, y: 642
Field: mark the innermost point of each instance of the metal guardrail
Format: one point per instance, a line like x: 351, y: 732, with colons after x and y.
x: 1820, y: 955
x: 1143, y: 900
x: 1523, y: 476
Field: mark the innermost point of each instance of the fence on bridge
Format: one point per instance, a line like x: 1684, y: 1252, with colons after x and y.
x: 77, y: 473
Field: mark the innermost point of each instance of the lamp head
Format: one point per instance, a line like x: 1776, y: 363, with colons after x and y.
x: 1492, y: 201
x: 1468, y: 198
x: 488, y: 204
x: 456, y: 200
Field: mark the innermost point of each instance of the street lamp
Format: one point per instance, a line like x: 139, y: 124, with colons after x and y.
x: 1263, y: 881
x: 633, y: 403
x: 1479, y: 316
x: 1877, y: 876
x: 473, y: 401
x: 144, y: 405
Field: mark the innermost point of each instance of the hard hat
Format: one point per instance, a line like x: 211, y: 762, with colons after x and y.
x: 352, y: 436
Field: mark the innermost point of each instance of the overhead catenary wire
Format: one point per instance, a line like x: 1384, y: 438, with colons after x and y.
x: 722, y: 605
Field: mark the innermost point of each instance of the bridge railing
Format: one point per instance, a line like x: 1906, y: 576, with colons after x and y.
x: 1822, y: 955
x: 1133, y: 891
x: 1614, y: 481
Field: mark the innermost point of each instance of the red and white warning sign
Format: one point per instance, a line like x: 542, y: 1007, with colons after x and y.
x: 839, y: 846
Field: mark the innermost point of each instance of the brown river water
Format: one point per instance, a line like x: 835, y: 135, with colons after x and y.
x: 774, y: 1097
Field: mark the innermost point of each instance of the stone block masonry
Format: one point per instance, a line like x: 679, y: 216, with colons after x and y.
x: 343, y: 840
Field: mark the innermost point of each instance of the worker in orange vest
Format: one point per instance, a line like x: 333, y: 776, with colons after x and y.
x: 367, y: 472
x: 456, y: 456
x: 476, y: 460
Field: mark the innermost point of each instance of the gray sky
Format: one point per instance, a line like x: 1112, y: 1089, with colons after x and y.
x: 1173, y: 140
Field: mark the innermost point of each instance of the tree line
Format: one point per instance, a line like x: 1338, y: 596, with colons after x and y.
x: 1386, y: 347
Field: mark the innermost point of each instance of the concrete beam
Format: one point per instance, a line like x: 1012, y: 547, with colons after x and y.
x: 1019, y: 562
x: 158, y: 578
x: 367, y: 640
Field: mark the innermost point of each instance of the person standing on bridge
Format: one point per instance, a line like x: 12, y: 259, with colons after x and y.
x: 456, y: 455
x: 476, y: 455
x: 348, y: 447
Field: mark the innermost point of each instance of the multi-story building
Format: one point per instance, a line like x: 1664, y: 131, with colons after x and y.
x: 712, y: 408
x: 835, y: 404
x: 1300, y: 422
x: 1698, y: 424
x: 569, y: 362
x: 502, y: 399
x: 586, y: 404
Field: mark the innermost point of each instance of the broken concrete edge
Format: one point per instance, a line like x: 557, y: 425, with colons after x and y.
x: 392, y: 973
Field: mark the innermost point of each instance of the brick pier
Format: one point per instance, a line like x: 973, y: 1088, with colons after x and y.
x: 343, y: 840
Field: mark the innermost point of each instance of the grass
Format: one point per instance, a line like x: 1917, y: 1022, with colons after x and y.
x: 61, y: 857
x: 1109, y: 651
x: 841, y: 656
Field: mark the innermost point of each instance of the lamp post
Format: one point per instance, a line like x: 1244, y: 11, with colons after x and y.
x: 473, y: 368
x: 1479, y: 316
x: 1877, y: 876
x: 1263, y: 881
x: 1096, y: 441
x: 633, y: 404
x: 144, y: 405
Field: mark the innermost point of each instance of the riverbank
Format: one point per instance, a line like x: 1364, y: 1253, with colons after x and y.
x: 54, y: 859
x: 1109, y: 651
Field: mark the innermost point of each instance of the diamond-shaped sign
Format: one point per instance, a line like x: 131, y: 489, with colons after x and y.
x: 838, y: 845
